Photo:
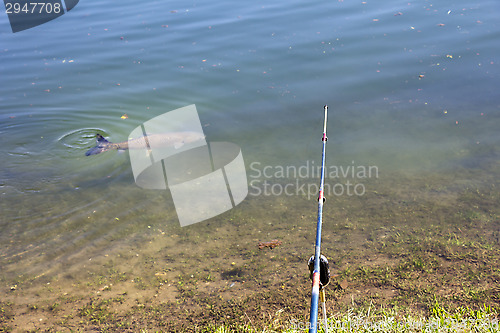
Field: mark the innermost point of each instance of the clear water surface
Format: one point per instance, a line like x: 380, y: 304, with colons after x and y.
x: 412, y: 87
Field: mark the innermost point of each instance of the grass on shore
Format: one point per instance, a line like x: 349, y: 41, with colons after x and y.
x: 460, y: 320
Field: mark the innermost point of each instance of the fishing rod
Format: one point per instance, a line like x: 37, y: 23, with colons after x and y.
x: 320, y: 273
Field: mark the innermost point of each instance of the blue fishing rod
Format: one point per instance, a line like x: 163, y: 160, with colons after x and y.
x: 318, y: 265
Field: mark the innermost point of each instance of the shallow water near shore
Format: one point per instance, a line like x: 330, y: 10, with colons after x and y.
x: 413, y: 101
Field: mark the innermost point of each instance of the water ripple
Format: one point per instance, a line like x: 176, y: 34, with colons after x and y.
x: 80, y: 138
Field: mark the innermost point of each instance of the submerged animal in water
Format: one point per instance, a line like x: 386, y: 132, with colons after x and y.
x: 174, y: 139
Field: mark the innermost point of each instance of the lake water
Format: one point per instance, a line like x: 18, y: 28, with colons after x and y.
x: 412, y: 88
